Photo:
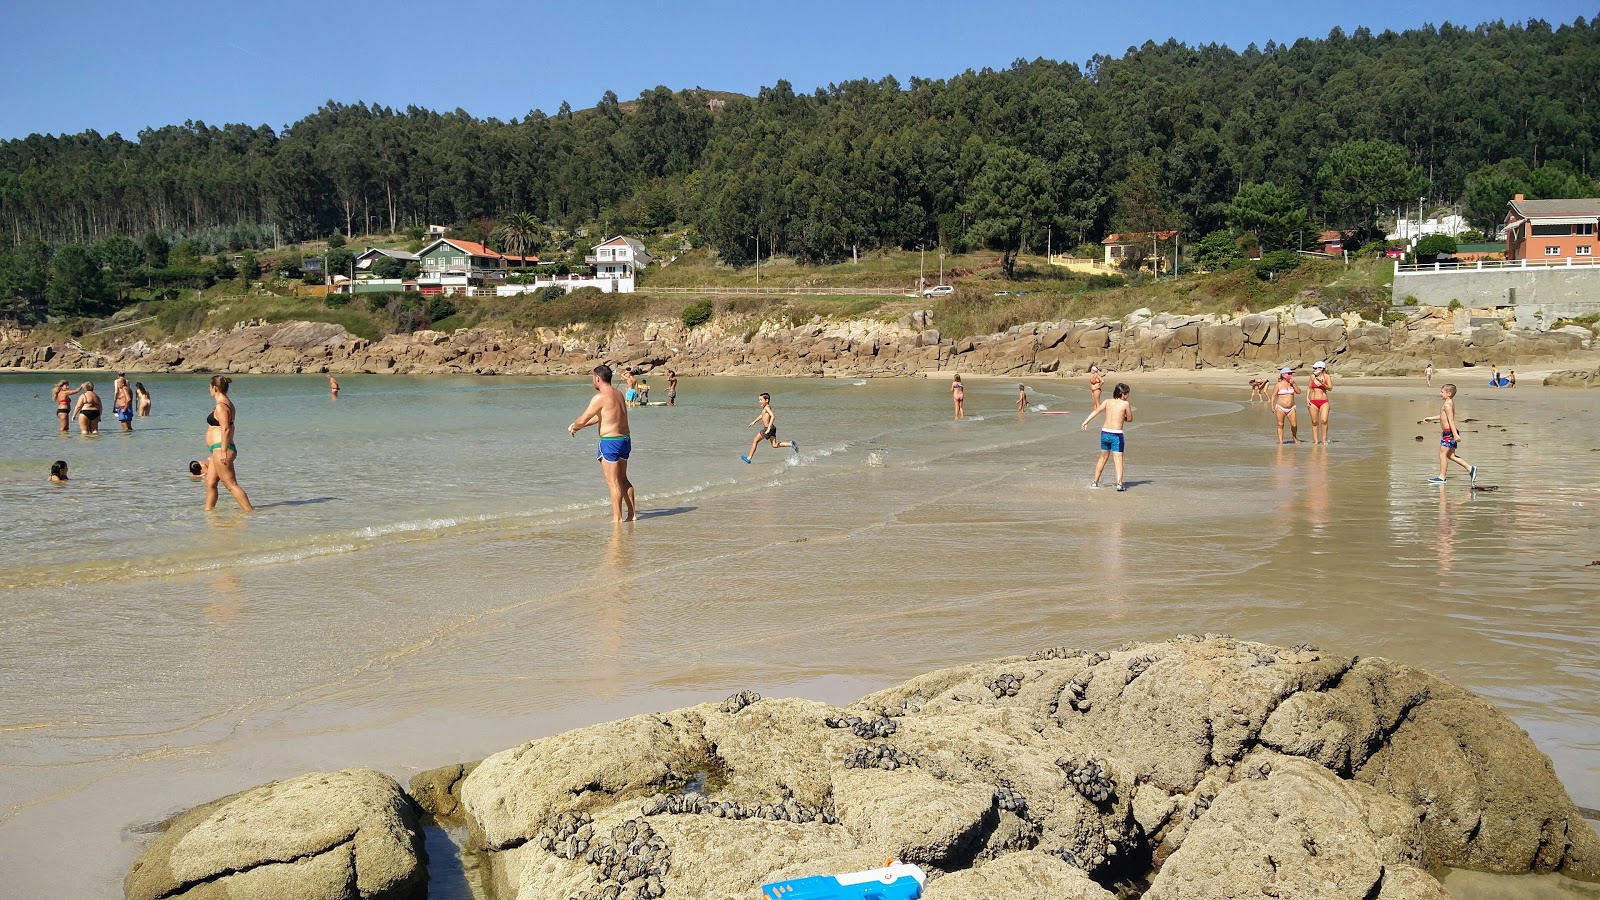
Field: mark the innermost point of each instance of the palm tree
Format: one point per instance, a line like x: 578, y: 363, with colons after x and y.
x: 519, y: 234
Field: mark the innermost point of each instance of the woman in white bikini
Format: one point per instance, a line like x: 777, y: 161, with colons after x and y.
x: 1283, y: 404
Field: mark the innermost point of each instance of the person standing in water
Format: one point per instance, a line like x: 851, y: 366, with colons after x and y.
x: 141, y: 399
x: 1283, y: 404
x: 610, y: 412
x: 88, y: 409
x: 1449, y: 438
x: 1118, y: 413
x: 1096, y: 382
x: 769, y: 429
x: 1427, y: 374
x: 1317, y: 397
x: 672, y: 388
x: 219, y: 442
x: 1022, y: 398
x: 333, y: 387
x: 122, y: 402
x: 958, y: 393
x: 63, y: 398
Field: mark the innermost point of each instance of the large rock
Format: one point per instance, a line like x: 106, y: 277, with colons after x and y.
x: 1299, y: 832
x: 324, y: 836
x: 1229, y: 766
x: 1026, y: 875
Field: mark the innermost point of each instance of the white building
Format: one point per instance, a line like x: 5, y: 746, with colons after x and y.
x: 1411, y: 229
x: 619, y: 260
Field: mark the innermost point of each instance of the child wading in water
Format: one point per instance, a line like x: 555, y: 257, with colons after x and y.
x: 769, y: 429
x: 1022, y: 397
x: 1449, y: 438
x: 1118, y: 413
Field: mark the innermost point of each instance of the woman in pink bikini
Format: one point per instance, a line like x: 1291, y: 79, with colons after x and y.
x: 959, y: 393
x: 1283, y: 404
x: 1317, y: 394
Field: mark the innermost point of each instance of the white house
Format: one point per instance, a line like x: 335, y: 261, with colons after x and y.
x: 618, y: 260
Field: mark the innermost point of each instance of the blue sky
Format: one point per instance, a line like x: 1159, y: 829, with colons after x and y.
x: 72, y: 66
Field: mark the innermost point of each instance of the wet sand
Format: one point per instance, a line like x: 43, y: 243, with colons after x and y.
x: 827, y: 579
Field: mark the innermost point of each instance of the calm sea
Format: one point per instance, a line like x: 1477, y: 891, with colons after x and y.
x: 430, y: 576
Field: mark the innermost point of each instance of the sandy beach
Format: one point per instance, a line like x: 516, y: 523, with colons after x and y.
x: 431, y: 578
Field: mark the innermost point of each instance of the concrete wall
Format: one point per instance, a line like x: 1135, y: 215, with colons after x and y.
x: 1539, y: 296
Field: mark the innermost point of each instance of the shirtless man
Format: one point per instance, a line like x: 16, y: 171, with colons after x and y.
x: 769, y: 429
x: 1118, y: 413
x: 1449, y: 437
x: 672, y: 388
x: 122, y: 402
x: 611, y: 413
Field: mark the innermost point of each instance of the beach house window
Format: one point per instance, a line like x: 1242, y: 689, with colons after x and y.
x: 1552, y: 230
x: 1584, y: 249
x: 1552, y: 251
x: 1585, y: 228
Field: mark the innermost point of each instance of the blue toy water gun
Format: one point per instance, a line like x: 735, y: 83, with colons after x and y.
x: 895, y: 881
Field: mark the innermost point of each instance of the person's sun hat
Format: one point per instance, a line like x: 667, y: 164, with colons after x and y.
x: 1319, y: 364
x: 1286, y: 371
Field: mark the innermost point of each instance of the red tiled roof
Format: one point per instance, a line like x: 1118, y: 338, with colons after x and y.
x: 473, y: 248
x: 1327, y: 236
x: 1138, y: 236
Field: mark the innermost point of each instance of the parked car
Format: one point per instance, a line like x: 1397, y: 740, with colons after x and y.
x: 939, y: 290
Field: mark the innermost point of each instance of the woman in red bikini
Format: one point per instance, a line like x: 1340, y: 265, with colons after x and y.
x: 1317, y: 393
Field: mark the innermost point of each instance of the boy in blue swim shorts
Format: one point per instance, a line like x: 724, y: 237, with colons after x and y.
x: 1118, y: 413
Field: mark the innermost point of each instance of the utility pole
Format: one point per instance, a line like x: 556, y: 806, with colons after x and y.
x: 922, y: 254
x: 758, y: 256
x: 941, y: 264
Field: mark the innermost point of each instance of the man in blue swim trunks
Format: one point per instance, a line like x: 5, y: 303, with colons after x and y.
x: 1118, y: 413
x: 609, y: 410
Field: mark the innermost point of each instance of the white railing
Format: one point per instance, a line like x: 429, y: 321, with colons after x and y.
x: 1490, y: 265
x: 785, y: 291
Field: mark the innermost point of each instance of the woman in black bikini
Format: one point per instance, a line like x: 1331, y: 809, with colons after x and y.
x: 88, y: 409
x: 219, y: 441
x: 63, y: 398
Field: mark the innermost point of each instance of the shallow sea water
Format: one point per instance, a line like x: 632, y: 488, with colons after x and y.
x: 430, y: 577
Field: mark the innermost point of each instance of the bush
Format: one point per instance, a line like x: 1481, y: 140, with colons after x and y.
x: 1276, y: 262
x: 1455, y: 304
x: 336, y: 301
x: 697, y: 314
x: 313, y: 278
x: 1411, y: 300
x: 440, y: 307
x: 290, y: 267
x: 416, y: 233
x: 249, y: 266
x: 336, y: 240
x: 1101, y: 282
x: 1435, y: 244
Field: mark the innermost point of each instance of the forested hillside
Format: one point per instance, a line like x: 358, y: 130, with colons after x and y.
x: 1321, y: 131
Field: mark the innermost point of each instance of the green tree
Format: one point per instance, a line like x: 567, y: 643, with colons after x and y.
x: 412, y: 271
x: 387, y: 267
x: 1558, y: 181
x: 696, y: 314
x: 75, y: 285
x: 1216, y: 250
x: 1273, y: 214
x: 337, y: 262
x: 156, y: 250
x: 1361, y: 177
x: 119, y: 258
x: 24, y: 278
x: 1010, y: 195
x: 519, y: 234
x: 290, y: 267
x: 336, y: 240
x: 222, y: 268
x: 1490, y: 188
x: 249, y: 266
x: 185, y: 255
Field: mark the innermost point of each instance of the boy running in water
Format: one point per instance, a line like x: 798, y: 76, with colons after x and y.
x: 1449, y: 438
x: 769, y: 429
x: 1118, y: 413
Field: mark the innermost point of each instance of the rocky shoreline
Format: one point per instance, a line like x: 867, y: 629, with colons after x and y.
x: 1193, y: 768
x: 1294, y: 336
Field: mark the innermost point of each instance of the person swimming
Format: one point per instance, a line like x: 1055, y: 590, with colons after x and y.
x: 58, y: 471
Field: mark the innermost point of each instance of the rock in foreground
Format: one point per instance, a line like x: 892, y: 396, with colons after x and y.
x: 1194, y: 768
x: 349, y: 835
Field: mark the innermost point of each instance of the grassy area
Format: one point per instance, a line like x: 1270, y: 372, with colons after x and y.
x: 1037, y: 293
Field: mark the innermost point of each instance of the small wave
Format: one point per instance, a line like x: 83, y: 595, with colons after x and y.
x: 859, y: 382
x: 1039, y: 407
